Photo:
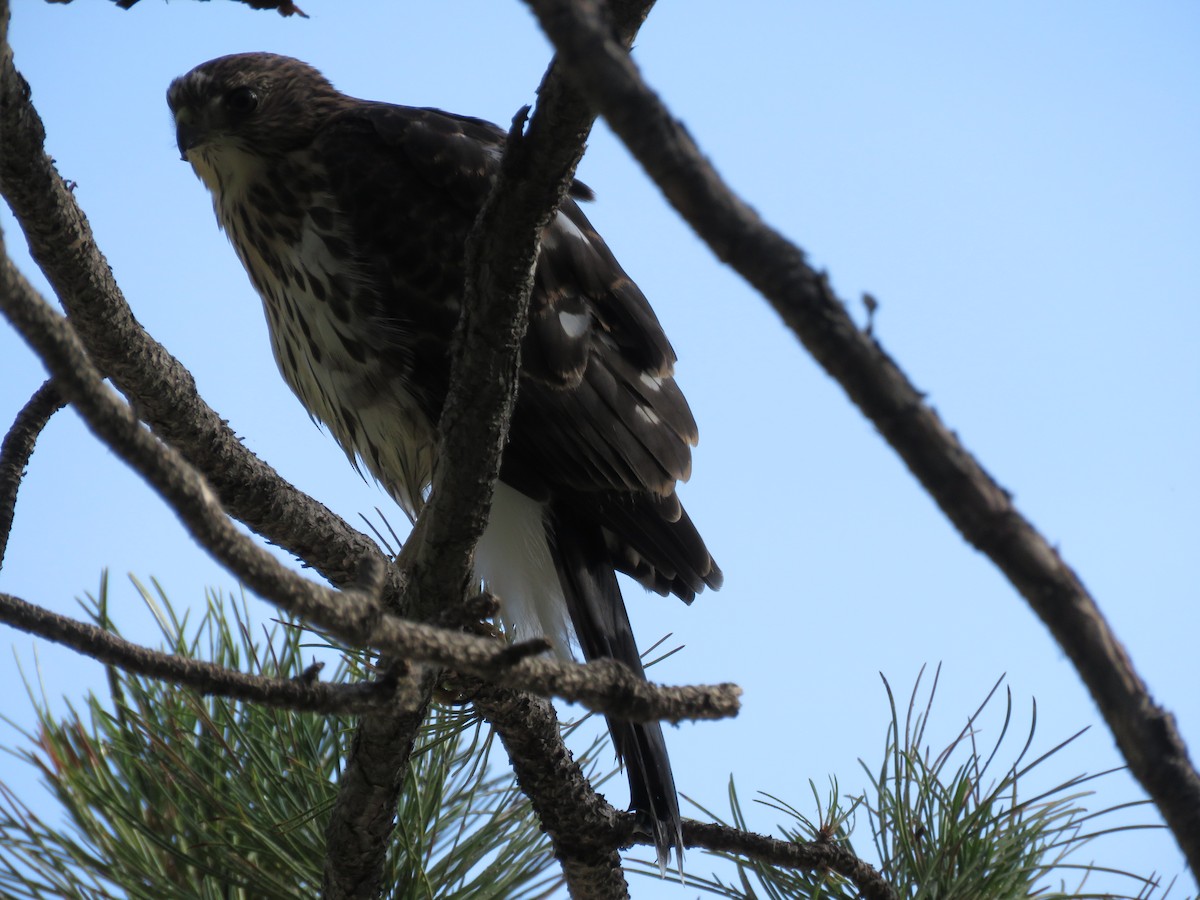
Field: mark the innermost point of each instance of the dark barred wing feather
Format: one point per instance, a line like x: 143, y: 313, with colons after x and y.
x: 598, y: 413
x: 600, y: 433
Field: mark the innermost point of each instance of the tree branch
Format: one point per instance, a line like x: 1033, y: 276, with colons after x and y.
x: 808, y: 856
x: 981, y: 510
x: 18, y: 448
x: 363, y: 818
x: 157, y: 385
x: 355, y: 615
x: 205, y: 677
x: 350, y: 614
x: 537, y: 170
x: 500, y: 256
x: 283, y: 7
x: 162, y: 390
x: 584, y: 829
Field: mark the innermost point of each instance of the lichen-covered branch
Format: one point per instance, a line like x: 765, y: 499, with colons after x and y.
x: 18, y: 447
x: 302, y: 694
x: 981, y: 509
x: 585, y: 829
x: 355, y: 615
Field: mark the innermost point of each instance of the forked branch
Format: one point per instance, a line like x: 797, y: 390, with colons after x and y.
x: 980, y: 508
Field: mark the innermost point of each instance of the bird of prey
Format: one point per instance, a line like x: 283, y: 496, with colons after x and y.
x: 351, y: 218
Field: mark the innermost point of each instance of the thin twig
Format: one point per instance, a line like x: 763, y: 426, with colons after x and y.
x: 807, y: 855
x: 205, y: 677
x: 979, y: 507
x: 283, y: 7
x: 18, y: 448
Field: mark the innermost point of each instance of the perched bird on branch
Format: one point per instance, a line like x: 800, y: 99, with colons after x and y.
x: 351, y: 219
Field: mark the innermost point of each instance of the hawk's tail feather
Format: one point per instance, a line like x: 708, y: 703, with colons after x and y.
x: 601, y: 623
x: 652, y: 796
x: 665, y: 555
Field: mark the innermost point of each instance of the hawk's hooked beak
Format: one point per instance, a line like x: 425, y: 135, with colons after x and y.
x: 187, y: 136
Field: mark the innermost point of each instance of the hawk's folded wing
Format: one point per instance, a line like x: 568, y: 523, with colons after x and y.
x: 599, y: 420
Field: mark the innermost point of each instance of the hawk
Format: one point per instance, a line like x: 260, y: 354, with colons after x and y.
x: 351, y: 219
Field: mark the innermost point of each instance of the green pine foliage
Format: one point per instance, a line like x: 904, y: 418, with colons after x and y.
x: 167, y: 793
x: 171, y: 794
x: 944, y: 827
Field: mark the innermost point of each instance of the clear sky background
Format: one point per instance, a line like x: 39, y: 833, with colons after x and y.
x: 1017, y: 183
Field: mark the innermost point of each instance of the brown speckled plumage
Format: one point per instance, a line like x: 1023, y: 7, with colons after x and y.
x: 350, y: 217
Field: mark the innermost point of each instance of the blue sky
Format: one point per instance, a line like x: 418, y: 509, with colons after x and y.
x: 1015, y: 183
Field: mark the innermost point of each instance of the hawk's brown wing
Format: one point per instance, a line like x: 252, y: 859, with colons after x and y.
x: 599, y: 418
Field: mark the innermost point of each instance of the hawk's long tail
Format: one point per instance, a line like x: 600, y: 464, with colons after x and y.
x: 602, y: 626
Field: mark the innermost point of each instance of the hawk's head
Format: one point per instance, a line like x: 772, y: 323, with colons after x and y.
x: 258, y: 104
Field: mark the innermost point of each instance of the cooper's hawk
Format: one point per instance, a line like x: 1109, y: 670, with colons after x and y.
x: 351, y: 218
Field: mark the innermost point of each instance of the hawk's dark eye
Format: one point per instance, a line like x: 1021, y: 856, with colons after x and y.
x: 241, y: 100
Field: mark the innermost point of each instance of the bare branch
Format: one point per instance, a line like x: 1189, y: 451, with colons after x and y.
x: 350, y: 614
x: 808, y: 856
x: 158, y: 386
x: 982, y: 510
x: 437, y: 559
x: 17, y: 449
x: 205, y: 677
x: 585, y: 829
x: 283, y: 7
x: 162, y: 389
x: 363, y: 818
x: 537, y: 170
x: 602, y: 686
x: 354, y: 615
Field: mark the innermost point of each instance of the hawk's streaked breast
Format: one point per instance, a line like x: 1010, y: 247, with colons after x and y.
x: 351, y: 218
x: 294, y: 242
